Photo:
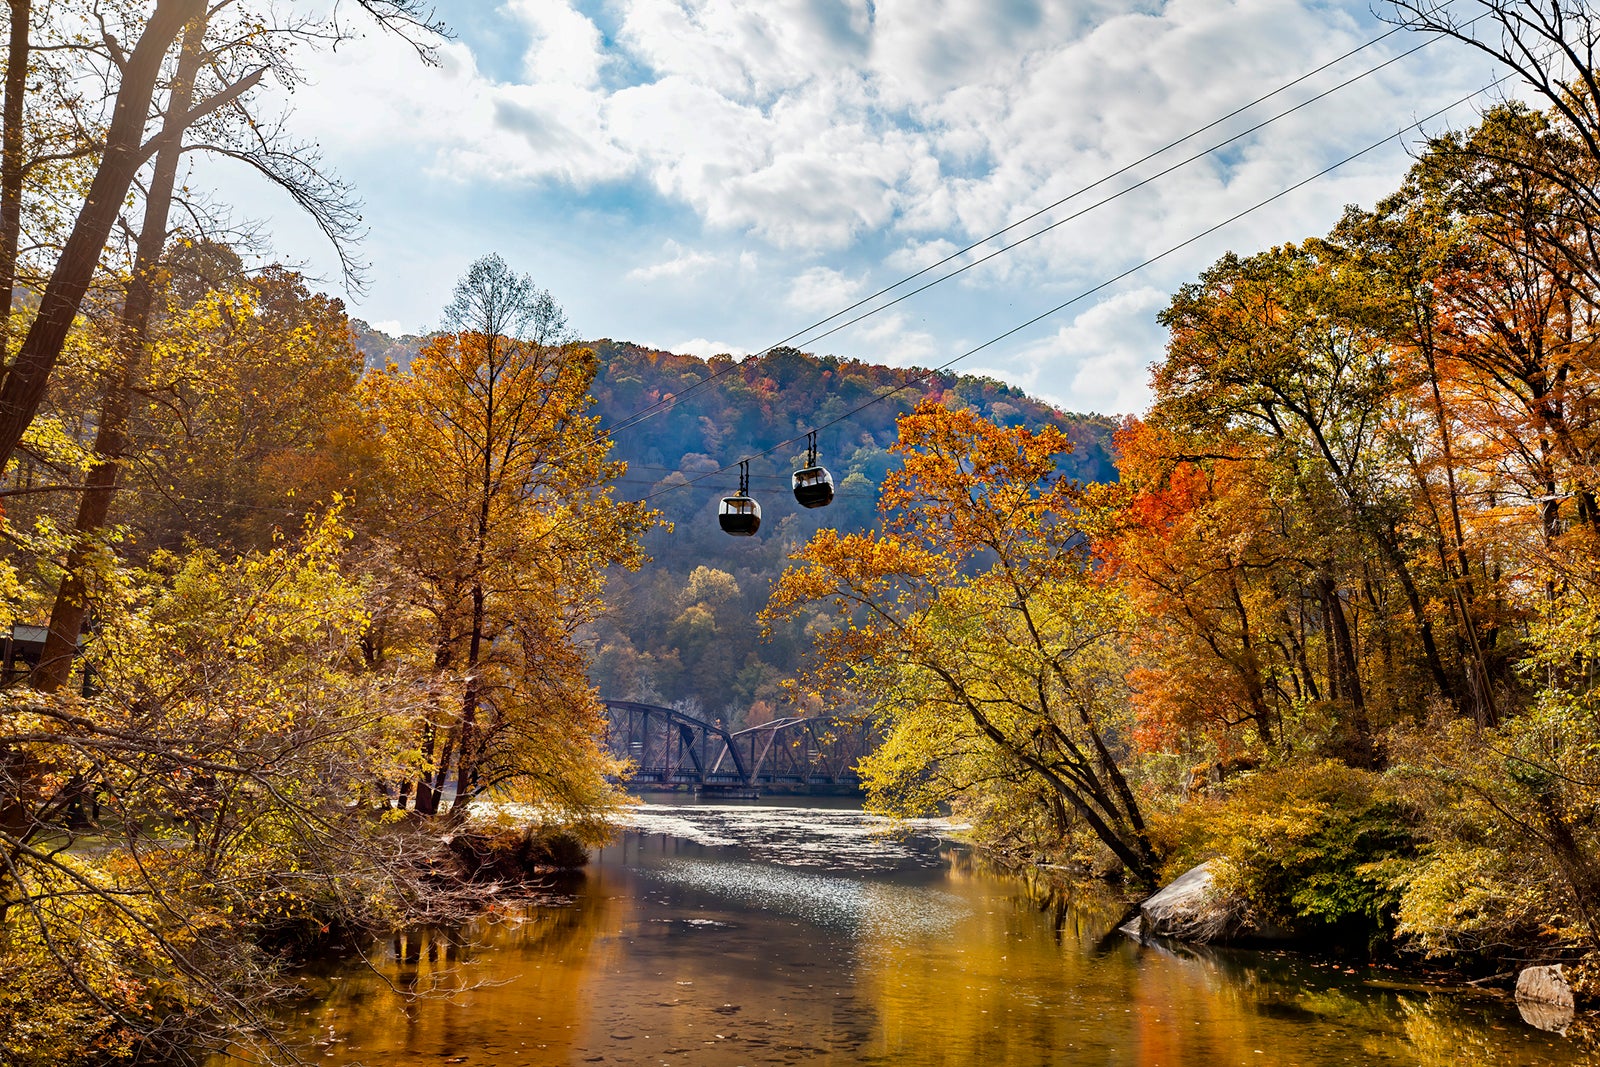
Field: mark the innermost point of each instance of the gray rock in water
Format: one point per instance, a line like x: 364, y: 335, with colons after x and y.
x: 1190, y: 909
x: 1545, y: 985
x: 1544, y: 998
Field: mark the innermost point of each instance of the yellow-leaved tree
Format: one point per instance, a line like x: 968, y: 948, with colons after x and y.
x: 974, y: 629
x: 210, y: 799
x: 499, y: 513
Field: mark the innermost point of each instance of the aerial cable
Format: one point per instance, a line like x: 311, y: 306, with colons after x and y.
x: 925, y: 375
x: 660, y: 405
x: 1141, y: 183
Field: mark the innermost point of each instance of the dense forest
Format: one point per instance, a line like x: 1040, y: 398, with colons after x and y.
x: 683, y: 630
x: 285, y: 599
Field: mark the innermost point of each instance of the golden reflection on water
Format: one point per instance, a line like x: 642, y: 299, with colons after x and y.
x: 681, y: 953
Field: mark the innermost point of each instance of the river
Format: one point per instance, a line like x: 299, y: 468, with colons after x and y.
x: 758, y: 934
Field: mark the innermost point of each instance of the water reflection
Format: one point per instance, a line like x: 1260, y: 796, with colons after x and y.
x: 760, y: 935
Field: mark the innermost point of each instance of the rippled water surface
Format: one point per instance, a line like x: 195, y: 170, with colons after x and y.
x: 759, y: 934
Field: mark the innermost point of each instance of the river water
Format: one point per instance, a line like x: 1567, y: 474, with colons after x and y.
x: 759, y: 934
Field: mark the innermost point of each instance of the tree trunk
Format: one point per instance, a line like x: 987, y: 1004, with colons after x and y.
x: 11, y: 146
x: 467, y: 758
x: 1360, y: 750
x: 1249, y: 667
x: 72, y: 604
x: 29, y: 373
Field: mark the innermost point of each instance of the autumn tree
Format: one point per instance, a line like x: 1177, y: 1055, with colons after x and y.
x: 1397, y: 420
x: 500, y: 509
x: 1200, y: 546
x: 227, y: 762
x: 1279, y: 350
x: 71, y: 603
x: 248, y: 416
x: 974, y: 629
x: 1515, y: 325
x: 1552, y: 45
x: 224, y: 53
x: 136, y: 130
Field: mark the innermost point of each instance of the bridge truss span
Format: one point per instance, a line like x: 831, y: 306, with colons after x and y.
x: 671, y: 748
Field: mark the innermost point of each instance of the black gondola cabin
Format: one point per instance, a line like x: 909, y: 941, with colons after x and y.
x: 739, y: 514
x: 813, y: 485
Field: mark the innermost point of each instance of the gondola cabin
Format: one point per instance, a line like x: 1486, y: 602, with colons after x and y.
x: 813, y: 487
x: 739, y: 515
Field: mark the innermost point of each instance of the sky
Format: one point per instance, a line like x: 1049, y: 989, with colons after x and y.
x: 717, y: 175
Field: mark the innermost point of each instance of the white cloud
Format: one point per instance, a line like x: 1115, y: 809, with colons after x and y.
x: 705, y: 349
x: 1100, y: 360
x: 680, y: 264
x: 566, y: 48
x: 741, y: 48
x: 792, y: 154
x: 890, y: 338
x: 915, y: 255
x: 939, y: 120
x: 823, y: 289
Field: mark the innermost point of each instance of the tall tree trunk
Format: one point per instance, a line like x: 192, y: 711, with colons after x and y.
x: 467, y: 756
x: 1248, y: 666
x: 29, y: 373
x: 12, y: 141
x: 71, y: 604
x: 471, y: 745
x: 1359, y: 743
x: 1480, y: 685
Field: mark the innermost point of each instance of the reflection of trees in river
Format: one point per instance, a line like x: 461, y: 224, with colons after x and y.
x: 426, y: 992
x: 1294, y: 1002
x: 967, y: 964
x: 959, y: 999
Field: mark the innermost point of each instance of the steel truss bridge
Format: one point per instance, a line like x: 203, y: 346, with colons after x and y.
x: 670, y: 749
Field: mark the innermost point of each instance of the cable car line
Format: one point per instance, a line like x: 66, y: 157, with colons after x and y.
x: 778, y: 479
x: 743, y: 464
x: 671, y: 401
x: 1141, y: 183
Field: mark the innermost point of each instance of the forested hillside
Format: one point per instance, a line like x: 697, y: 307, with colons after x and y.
x: 682, y: 630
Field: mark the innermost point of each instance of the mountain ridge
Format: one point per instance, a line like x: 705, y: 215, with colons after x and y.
x: 682, y: 630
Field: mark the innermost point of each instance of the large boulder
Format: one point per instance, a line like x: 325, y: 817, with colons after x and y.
x: 1545, y: 997
x: 1194, y: 909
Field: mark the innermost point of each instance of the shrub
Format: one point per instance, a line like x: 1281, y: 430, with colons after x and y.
x: 1318, y: 849
x: 501, y: 854
x: 1512, y: 871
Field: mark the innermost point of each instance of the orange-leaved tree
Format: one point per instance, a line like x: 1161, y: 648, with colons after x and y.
x: 1199, y: 545
x: 973, y: 628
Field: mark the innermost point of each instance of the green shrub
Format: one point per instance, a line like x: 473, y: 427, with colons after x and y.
x: 1319, y: 849
x: 1512, y: 869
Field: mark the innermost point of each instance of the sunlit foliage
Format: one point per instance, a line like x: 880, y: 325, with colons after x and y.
x: 498, y: 504
x: 211, y: 794
x: 973, y: 629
